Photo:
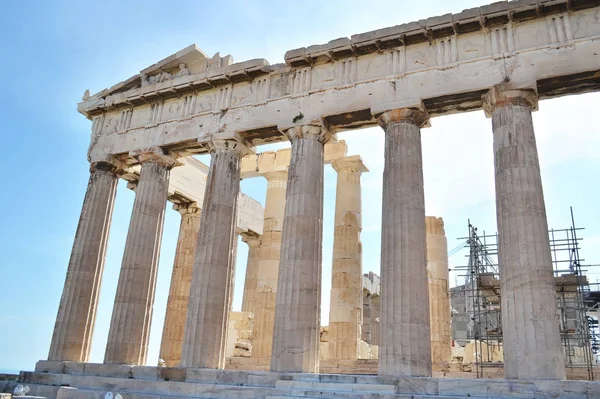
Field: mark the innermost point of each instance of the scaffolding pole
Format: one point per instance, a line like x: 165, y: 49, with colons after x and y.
x: 578, y: 330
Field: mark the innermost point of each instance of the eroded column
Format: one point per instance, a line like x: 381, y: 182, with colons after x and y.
x: 268, y: 266
x: 439, y: 299
x: 134, y: 301
x: 253, y: 242
x: 181, y: 279
x: 208, y: 308
x: 297, y: 314
x: 530, y: 325
x: 345, y: 314
x: 404, y: 347
x: 72, y: 337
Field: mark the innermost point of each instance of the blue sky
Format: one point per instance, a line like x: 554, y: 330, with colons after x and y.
x: 53, y: 51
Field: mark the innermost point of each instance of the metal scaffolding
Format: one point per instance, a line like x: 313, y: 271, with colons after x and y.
x: 575, y: 298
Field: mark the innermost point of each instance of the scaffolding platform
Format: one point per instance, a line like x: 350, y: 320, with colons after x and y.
x: 578, y: 304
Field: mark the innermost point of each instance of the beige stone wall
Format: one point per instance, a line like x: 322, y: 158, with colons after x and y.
x: 239, y: 334
x: 371, y: 308
x: 491, y: 353
x: 324, y: 353
x: 375, y: 317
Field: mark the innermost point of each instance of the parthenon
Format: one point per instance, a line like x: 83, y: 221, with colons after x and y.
x: 502, y: 58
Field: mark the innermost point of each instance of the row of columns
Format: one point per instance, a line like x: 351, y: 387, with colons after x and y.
x: 262, y: 269
x: 132, y: 312
x: 531, y: 336
x: 346, y: 302
x: 181, y: 281
x: 212, y: 280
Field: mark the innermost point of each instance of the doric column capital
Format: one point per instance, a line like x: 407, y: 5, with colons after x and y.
x: 103, y: 166
x: 352, y: 163
x: 187, y: 208
x: 108, y: 165
x: 314, y: 132
x: 228, y: 145
x: 278, y: 175
x: 155, y: 155
x: 250, y: 238
x: 499, y: 96
x: 416, y: 115
x: 132, y: 185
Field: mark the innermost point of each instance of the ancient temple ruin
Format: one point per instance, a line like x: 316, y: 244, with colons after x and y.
x: 502, y: 58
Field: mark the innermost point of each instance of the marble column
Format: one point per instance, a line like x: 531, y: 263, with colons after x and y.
x: 268, y: 266
x: 230, y: 288
x: 132, y: 313
x: 366, y: 319
x: 72, y: 337
x: 297, y: 313
x: 530, y: 324
x: 181, y: 279
x: 253, y: 242
x: 439, y: 296
x: 209, y: 304
x: 375, y: 317
x: 404, y: 347
x: 345, y: 314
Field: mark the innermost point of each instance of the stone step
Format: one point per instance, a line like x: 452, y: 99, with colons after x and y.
x: 356, y: 395
x: 87, y: 387
x: 146, y: 383
x: 142, y: 389
x: 81, y: 393
x: 310, y: 394
x: 40, y: 392
x: 336, y: 386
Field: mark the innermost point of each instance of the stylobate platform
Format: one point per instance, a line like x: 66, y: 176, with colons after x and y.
x: 69, y: 380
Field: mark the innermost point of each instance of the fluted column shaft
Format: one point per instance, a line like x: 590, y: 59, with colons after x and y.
x: 530, y: 325
x: 181, y: 279
x: 345, y: 315
x: 132, y: 313
x: 268, y: 266
x: 439, y: 298
x: 209, y: 304
x: 297, y: 314
x: 253, y: 242
x: 72, y: 337
x: 404, y: 347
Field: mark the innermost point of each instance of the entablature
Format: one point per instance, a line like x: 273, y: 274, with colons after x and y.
x: 190, y: 70
x: 557, y: 48
x: 187, y: 184
x: 427, y: 30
